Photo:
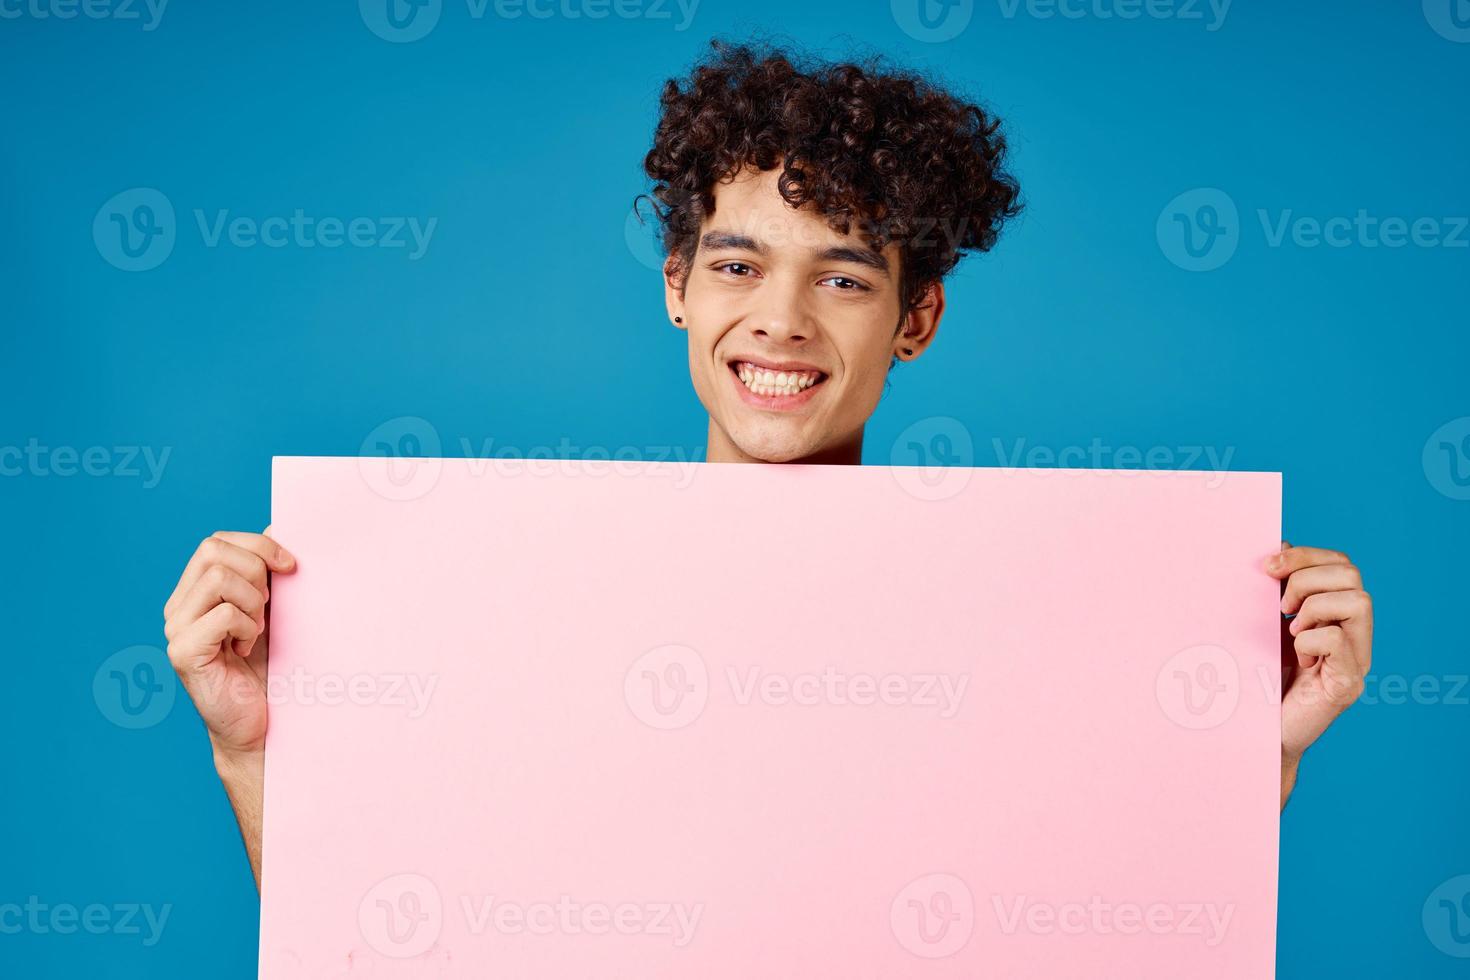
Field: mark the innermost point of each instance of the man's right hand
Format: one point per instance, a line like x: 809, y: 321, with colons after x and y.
x: 216, y: 626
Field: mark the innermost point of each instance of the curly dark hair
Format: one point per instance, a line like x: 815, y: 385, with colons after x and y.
x: 883, y: 148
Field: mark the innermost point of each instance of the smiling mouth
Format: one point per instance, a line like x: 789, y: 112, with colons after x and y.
x: 768, y: 382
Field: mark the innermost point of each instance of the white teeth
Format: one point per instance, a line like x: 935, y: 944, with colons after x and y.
x: 770, y: 383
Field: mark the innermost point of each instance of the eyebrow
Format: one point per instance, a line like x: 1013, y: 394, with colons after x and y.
x: 719, y: 240
x: 857, y: 256
x: 715, y: 240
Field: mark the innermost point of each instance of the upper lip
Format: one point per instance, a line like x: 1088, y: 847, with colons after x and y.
x: 787, y: 366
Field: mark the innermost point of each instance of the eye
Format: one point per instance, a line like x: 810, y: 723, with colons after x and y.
x: 737, y: 269
x: 846, y: 285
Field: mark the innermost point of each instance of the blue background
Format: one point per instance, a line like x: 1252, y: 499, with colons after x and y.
x: 531, y: 319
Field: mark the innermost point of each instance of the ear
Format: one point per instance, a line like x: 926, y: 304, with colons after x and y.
x: 919, y: 325
x: 674, y: 293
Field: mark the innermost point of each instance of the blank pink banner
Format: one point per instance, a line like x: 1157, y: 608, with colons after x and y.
x: 537, y: 719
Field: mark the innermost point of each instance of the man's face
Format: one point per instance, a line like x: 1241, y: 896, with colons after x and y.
x: 792, y: 326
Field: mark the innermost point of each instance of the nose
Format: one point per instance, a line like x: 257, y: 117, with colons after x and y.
x: 780, y: 317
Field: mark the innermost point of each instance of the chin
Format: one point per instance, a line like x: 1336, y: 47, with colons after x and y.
x: 773, y: 447
x: 777, y: 455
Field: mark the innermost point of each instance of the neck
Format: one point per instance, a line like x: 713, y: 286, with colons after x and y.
x: 721, y: 449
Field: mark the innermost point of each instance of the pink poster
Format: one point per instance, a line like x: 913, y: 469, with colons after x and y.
x: 653, y: 720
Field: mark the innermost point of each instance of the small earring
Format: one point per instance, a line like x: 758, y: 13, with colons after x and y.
x: 909, y: 351
x: 678, y: 319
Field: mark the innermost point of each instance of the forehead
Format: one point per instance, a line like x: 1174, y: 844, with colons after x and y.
x: 750, y: 205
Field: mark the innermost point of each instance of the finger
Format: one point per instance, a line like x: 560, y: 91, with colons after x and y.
x: 212, y: 551
x: 1324, y: 641
x: 1346, y: 608
x: 1289, y: 560
x: 277, y: 557
x: 1319, y: 578
x: 198, y: 644
x: 1342, y: 677
x: 219, y: 583
x: 218, y: 550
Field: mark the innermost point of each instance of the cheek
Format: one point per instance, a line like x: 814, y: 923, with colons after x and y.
x: 702, y: 361
x: 867, y: 369
x: 703, y: 369
x: 863, y: 393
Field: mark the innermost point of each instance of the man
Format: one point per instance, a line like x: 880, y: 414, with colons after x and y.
x: 809, y: 215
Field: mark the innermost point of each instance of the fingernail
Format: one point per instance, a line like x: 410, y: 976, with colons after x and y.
x: 284, y: 557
